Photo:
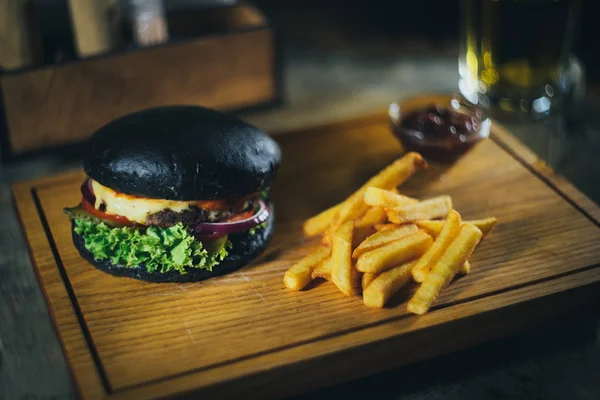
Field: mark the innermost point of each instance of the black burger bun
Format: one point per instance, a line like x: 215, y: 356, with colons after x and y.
x: 182, y: 153
x: 245, y: 248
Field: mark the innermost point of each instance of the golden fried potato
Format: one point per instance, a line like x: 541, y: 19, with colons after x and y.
x: 376, y: 197
x: 374, y: 215
x: 442, y: 241
x: 436, y: 207
x: 445, y: 269
x: 465, y: 269
x: 317, y: 224
x: 364, y: 226
x: 390, y: 177
x: 323, y: 270
x: 380, y: 238
x: 300, y: 274
x: 485, y: 225
x: 367, y: 278
x: 385, y: 227
x: 327, y: 238
x: 386, y: 285
x: 433, y: 227
x: 394, y: 253
x: 341, y: 259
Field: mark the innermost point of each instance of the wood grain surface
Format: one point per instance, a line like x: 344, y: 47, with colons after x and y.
x: 245, y: 331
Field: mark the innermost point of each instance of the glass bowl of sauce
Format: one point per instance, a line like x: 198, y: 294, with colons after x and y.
x: 440, y: 127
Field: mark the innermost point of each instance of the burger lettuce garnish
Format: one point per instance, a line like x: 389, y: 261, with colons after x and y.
x: 170, y: 238
x: 158, y: 249
x: 253, y: 231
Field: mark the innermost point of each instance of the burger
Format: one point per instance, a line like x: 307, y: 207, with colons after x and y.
x: 175, y: 194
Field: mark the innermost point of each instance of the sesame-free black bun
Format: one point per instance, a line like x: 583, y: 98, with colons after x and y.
x: 245, y: 248
x: 182, y: 153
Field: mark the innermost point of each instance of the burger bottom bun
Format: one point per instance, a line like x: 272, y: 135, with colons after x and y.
x: 245, y: 248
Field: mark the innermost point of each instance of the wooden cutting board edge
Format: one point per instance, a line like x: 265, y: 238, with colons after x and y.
x: 61, y: 301
x: 300, y: 376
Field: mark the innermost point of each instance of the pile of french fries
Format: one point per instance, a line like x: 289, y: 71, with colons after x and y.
x: 377, y: 241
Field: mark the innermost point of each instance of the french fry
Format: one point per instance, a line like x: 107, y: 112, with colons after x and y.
x: 388, y: 178
x: 436, y: 207
x: 317, y: 224
x: 360, y: 234
x: 433, y: 227
x: 323, y: 270
x: 465, y: 269
x: 327, y: 238
x: 374, y: 215
x: 485, y: 225
x: 447, y: 234
x: 341, y: 259
x: 300, y: 274
x: 376, y: 197
x: 356, y: 280
x: 385, y: 227
x: 394, y: 253
x: 364, y: 226
x: 445, y: 269
x: 367, y: 278
x: 386, y: 285
x: 380, y: 238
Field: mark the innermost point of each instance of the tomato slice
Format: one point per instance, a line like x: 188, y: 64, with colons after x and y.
x: 224, y: 203
x: 240, y: 216
x: 100, y: 214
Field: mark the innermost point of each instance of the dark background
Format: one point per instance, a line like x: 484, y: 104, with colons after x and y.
x: 410, y: 27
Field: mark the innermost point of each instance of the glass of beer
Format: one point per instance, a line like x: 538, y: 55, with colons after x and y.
x: 514, y: 54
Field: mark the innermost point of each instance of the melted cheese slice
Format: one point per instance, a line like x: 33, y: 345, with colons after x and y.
x: 133, y: 208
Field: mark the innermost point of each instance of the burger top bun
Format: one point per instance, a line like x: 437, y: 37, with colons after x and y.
x: 182, y: 153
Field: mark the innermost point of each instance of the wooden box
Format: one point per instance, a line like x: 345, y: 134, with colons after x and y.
x: 224, y: 58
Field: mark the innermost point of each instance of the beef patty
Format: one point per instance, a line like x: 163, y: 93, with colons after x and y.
x: 195, y: 215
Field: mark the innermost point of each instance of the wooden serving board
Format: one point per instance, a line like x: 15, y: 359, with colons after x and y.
x: 244, y: 333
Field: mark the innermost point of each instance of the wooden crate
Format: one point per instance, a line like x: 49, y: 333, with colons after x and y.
x: 229, y: 61
x: 246, y: 333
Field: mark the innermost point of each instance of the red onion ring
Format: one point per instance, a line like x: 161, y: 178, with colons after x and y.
x: 225, y: 228
x: 88, y: 191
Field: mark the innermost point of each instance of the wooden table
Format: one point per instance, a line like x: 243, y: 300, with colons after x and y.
x: 32, y: 363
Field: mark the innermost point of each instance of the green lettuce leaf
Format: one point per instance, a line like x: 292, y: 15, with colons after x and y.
x: 162, y: 249
x: 264, y: 194
x: 252, y: 231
